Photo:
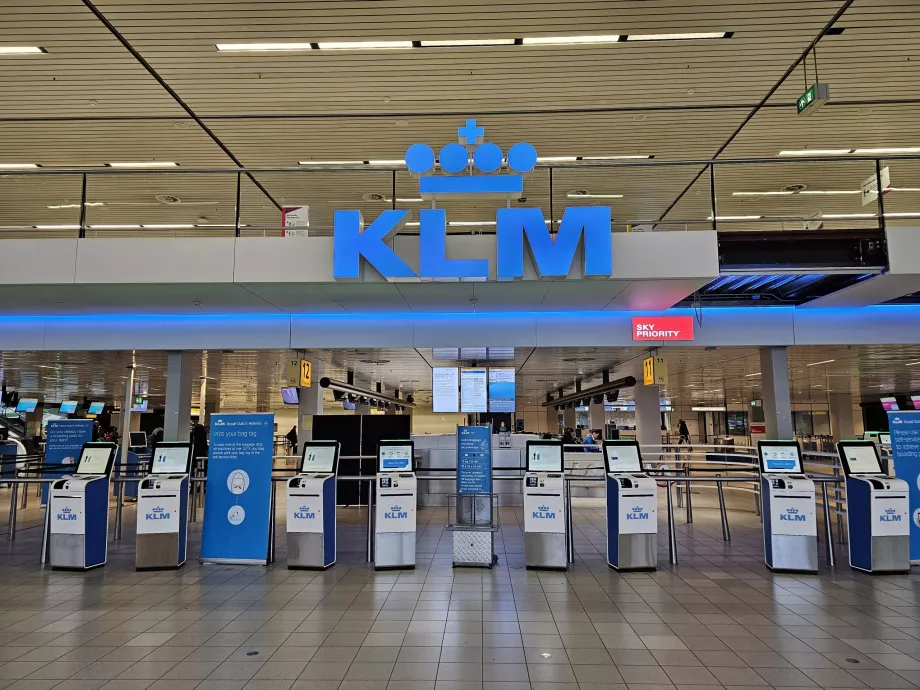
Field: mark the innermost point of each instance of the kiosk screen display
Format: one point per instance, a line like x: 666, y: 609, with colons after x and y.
x: 884, y: 439
x: 68, y: 407
x: 138, y: 439
x: 96, y: 459
x: 320, y: 458
x: 622, y: 458
x: 780, y: 457
x: 915, y: 401
x: 860, y: 458
x: 26, y: 405
x: 394, y: 457
x: 544, y: 457
x: 890, y: 404
x: 95, y: 408
x: 172, y: 458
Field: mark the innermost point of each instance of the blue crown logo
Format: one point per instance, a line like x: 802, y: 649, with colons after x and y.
x: 395, y: 508
x: 544, y: 508
x: 637, y: 509
x: 792, y: 511
x: 891, y: 511
x: 158, y: 509
x: 471, y: 152
x: 304, y: 509
x: 66, y: 510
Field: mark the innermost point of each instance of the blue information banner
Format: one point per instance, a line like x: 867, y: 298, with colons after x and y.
x: 905, y: 448
x: 237, y: 512
x: 474, y: 460
x: 65, y: 438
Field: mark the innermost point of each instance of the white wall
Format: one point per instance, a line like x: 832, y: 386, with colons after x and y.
x: 426, y: 422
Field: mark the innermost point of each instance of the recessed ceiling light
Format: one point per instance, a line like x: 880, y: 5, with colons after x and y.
x: 750, y: 375
x: 364, y: 45
x: 762, y: 193
x: 568, y: 40
x: 17, y: 166
x: 462, y: 43
x: 816, y: 152
x: 144, y: 164
x: 912, y: 364
x: 680, y: 37
x: 890, y: 149
x: 21, y: 50
x: 824, y: 361
x: 262, y: 47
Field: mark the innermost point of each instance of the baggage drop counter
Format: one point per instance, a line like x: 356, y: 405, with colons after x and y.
x: 162, y: 508
x: 311, y: 535
x: 544, y: 507
x: 395, y: 514
x: 632, y: 509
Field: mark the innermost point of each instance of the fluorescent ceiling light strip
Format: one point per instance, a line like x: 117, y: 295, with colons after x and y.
x: 144, y: 164
x: 903, y: 189
x: 736, y: 217
x: 262, y: 47
x: 557, y: 159
x: 114, y: 227
x: 711, y: 408
x: 569, y: 40
x: 750, y: 375
x: 816, y: 152
x: 21, y: 50
x: 387, y: 162
x: 831, y: 192
x: 902, y: 214
x: 825, y: 361
x: 594, y: 196
x: 330, y: 163
x: 833, y: 216
x: 409, y: 201
x: 612, y: 158
x: 469, y: 223
x: 364, y: 45
x: 762, y: 193
x: 888, y: 149
x: 912, y: 364
x: 17, y: 166
x: 693, y: 36
x: 168, y: 226
x: 464, y: 42
x: 56, y: 227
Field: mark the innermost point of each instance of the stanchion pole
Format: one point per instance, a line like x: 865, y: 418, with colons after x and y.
x: 828, y: 530
x: 569, y: 526
x: 726, y: 534
x: 11, y: 523
x: 119, y: 504
x: 369, y: 556
x: 672, y: 528
x: 46, y: 531
x: 689, y: 498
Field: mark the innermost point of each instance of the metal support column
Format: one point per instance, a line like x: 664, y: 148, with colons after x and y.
x: 828, y: 530
x: 370, y: 520
x: 11, y: 522
x: 672, y: 528
x: 726, y: 534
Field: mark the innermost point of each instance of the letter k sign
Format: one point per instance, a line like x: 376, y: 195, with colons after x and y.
x: 352, y: 241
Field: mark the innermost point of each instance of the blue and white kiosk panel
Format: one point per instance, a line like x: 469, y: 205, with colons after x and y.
x: 877, y: 511
x: 397, y: 497
x: 79, y: 511
x: 544, y: 506
x: 162, y: 508
x: 311, y: 532
x: 632, y: 509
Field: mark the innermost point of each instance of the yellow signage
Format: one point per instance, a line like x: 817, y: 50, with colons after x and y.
x: 655, y: 371
x: 648, y: 371
x: 306, y: 373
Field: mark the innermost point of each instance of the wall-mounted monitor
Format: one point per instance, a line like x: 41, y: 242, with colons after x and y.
x: 68, y: 407
x: 140, y: 406
x: 890, y: 404
x: 474, y: 396
x: 321, y: 457
x: 26, y: 405
x: 859, y: 457
x: 171, y: 457
x: 780, y: 457
x: 501, y: 389
x: 290, y: 396
x: 544, y: 456
x: 396, y: 456
x: 95, y: 408
x: 96, y: 458
x: 622, y: 456
x: 137, y: 439
x: 445, y: 389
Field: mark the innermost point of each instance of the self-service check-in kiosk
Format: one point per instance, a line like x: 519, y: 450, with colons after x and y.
x: 877, y: 511
x: 79, y: 511
x: 632, y: 509
x: 311, y: 507
x: 162, y: 508
x: 790, y: 528
x: 544, y: 507
x: 397, y: 495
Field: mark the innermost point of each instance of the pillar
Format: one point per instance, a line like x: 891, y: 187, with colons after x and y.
x: 777, y: 405
x: 552, y: 419
x: 648, y: 414
x: 311, y: 403
x: 597, y: 417
x: 569, y: 418
x: 178, y: 396
x: 841, y: 409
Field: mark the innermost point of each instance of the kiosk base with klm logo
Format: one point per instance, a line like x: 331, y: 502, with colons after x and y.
x: 311, y: 538
x: 878, y: 524
x: 544, y: 521
x: 394, y: 520
x: 79, y: 523
x: 162, y: 522
x: 790, y: 526
x: 632, y: 522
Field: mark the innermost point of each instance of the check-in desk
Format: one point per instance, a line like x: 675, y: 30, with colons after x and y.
x: 544, y: 507
x: 632, y: 509
x: 311, y: 527
x: 396, y: 500
x: 162, y: 508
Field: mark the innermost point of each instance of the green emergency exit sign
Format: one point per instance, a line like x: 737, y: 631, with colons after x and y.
x: 812, y: 100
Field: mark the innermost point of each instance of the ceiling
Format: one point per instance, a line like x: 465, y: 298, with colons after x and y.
x: 128, y: 80
x: 251, y: 380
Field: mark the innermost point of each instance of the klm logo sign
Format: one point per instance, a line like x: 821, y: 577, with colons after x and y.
x: 469, y: 168
x: 304, y: 514
x: 66, y: 514
x: 157, y: 514
x: 544, y: 513
x: 890, y: 515
x: 396, y: 513
x: 793, y: 515
x: 637, y: 514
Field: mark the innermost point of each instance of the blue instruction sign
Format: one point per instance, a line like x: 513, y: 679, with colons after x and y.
x: 65, y: 438
x: 474, y: 460
x: 237, y: 512
x: 905, y: 448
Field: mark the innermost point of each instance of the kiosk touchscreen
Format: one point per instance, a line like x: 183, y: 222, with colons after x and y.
x: 790, y: 526
x: 79, y: 511
x: 544, y: 506
x: 137, y: 439
x: 311, y: 534
x: 397, y: 496
x: 877, y: 511
x: 632, y: 509
x: 162, y: 508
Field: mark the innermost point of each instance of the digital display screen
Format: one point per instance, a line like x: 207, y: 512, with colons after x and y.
x: 95, y: 408
x: 348, y: 405
x: 68, y: 407
x: 501, y: 389
x: 319, y: 458
x: 138, y: 439
x: 780, y: 458
x: 861, y: 458
x: 445, y: 389
x: 622, y: 458
x: 473, y: 390
x: 544, y: 457
x: 890, y: 404
x: 94, y: 459
x: 171, y: 458
x: 884, y: 439
x: 26, y: 405
x: 140, y: 407
x: 394, y: 457
x: 915, y: 400
x: 290, y: 396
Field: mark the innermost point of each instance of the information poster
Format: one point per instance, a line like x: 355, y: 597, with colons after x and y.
x: 474, y: 460
x: 905, y: 448
x: 237, y: 512
x: 501, y: 389
x: 473, y: 390
x: 445, y: 389
x: 62, y: 446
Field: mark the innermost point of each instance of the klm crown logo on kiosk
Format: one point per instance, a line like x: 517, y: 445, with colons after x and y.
x: 157, y: 514
x: 66, y: 514
x: 473, y: 167
x: 544, y: 513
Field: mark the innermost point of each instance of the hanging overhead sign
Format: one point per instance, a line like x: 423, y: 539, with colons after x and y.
x: 662, y: 328
x: 813, y: 99
x: 871, y: 185
x: 655, y: 371
x: 295, y: 220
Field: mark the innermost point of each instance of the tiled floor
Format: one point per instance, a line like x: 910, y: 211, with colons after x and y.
x: 718, y: 619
